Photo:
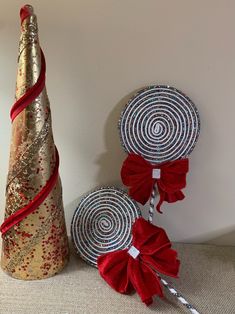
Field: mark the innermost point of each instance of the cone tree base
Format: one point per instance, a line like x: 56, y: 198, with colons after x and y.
x: 30, y: 277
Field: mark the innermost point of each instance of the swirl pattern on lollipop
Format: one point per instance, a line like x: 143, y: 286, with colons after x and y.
x: 102, y: 223
x: 159, y: 123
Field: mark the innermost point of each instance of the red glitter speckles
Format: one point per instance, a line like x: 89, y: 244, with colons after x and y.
x: 26, y: 234
x: 53, y: 239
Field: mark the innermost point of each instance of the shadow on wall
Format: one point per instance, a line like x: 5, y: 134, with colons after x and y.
x: 110, y: 162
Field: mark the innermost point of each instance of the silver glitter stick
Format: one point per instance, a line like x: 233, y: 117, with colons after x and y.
x: 151, y: 204
x: 178, y: 296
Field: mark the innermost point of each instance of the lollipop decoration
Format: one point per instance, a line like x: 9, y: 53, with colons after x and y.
x: 102, y: 223
x: 159, y: 128
x: 108, y: 232
x: 160, y: 124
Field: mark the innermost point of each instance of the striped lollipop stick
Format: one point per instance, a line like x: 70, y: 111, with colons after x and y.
x: 179, y: 296
x: 151, y: 204
x: 171, y: 289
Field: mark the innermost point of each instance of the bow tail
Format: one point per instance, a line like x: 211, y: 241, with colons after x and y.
x: 140, y: 189
x: 113, y: 269
x: 164, y: 261
x: 136, y: 174
x: 144, y: 280
x: 169, y: 197
x: 162, y: 195
x: 174, y: 197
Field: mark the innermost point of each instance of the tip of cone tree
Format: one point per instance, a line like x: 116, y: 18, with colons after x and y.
x: 26, y: 11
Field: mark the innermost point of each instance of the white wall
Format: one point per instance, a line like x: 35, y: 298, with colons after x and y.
x: 98, y: 52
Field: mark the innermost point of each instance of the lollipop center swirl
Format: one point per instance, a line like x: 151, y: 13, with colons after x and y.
x: 104, y: 223
x: 157, y: 128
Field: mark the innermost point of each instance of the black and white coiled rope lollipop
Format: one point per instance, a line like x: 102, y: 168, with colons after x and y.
x: 159, y: 123
x: 102, y: 223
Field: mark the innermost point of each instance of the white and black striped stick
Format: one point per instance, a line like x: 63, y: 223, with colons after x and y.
x: 151, y: 204
x: 179, y: 296
x: 171, y: 289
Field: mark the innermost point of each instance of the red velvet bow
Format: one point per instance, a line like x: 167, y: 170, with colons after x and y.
x: 137, y: 174
x: 124, y: 273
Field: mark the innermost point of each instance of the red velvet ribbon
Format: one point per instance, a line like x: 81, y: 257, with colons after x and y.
x: 125, y: 273
x: 20, y: 105
x: 31, y: 93
x: 25, y: 12
x: 137, y: 174
x: 20, y: 214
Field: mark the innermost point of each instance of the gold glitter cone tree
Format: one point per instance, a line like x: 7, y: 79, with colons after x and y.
x: 35, y: 244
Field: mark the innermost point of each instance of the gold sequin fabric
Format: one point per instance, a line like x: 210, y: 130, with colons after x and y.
x: 37, y: 247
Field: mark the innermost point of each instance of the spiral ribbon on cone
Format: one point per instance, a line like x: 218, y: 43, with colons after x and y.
x: 35, y: 241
